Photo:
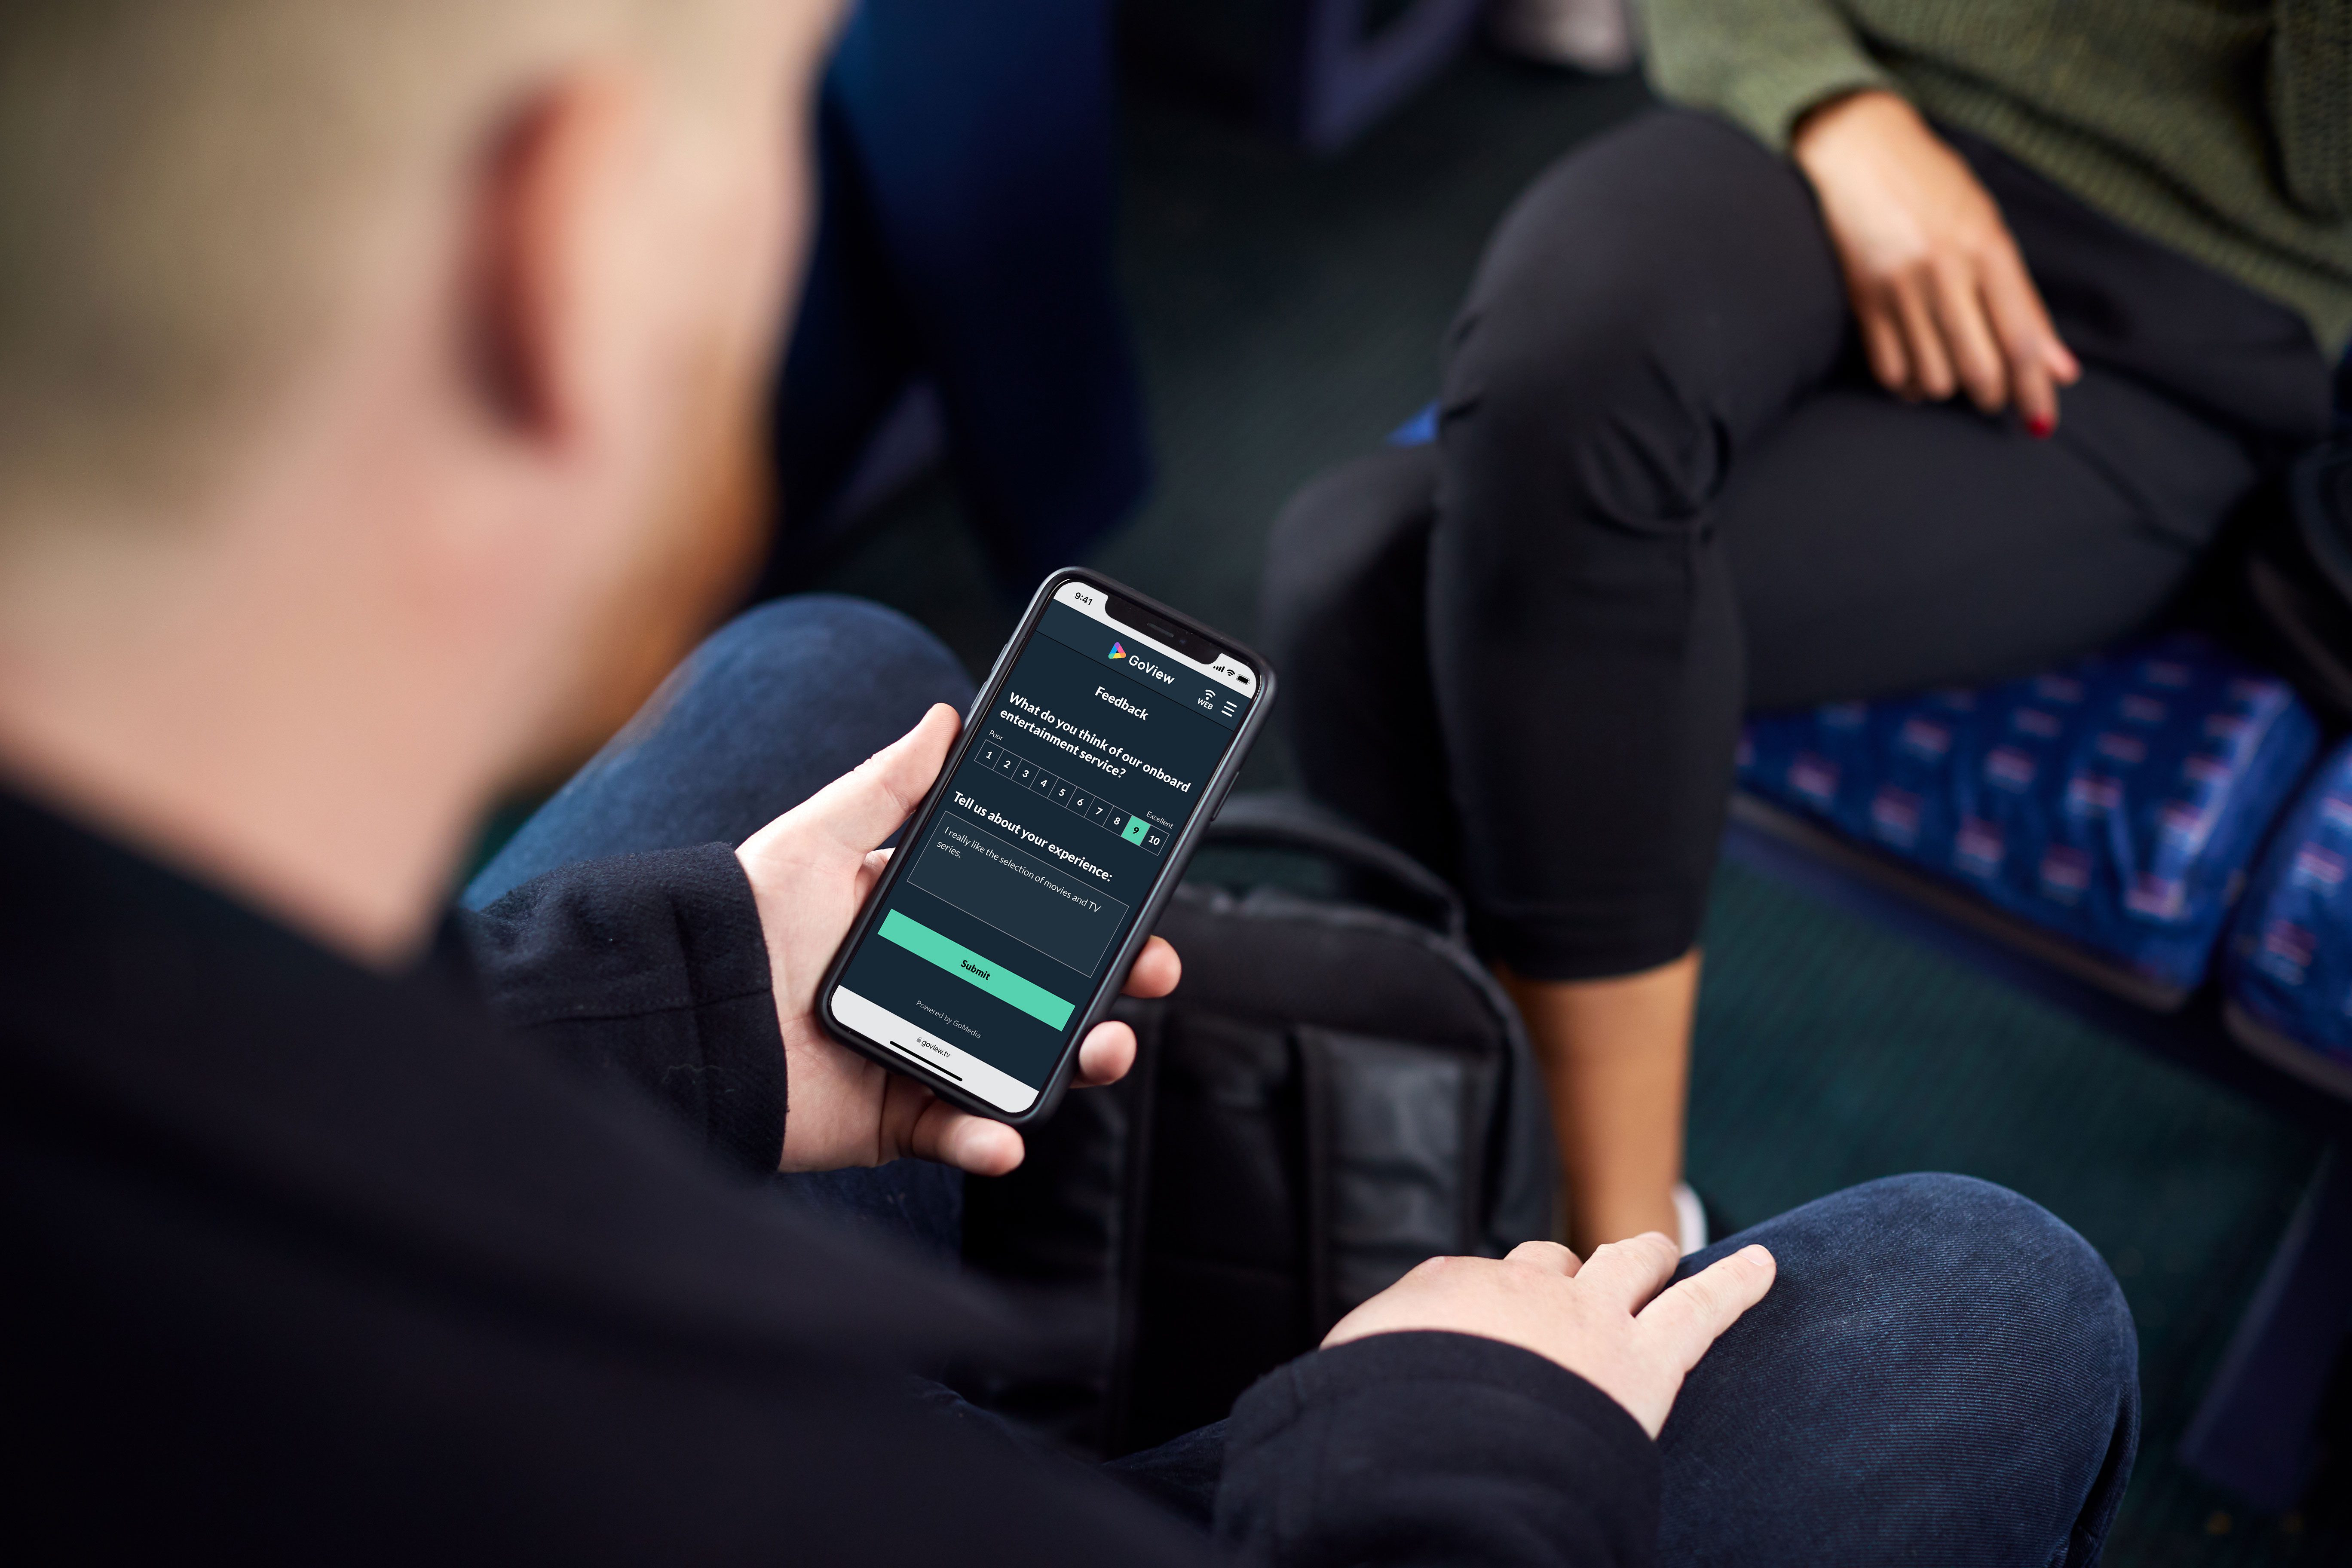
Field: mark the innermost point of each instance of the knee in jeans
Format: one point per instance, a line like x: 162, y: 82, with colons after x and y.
x: 1989, y: 1214
x: 2016, y: 1262
x: 783, y: 633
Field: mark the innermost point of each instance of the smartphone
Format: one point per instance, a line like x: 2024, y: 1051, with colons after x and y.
x: 1101, y: 745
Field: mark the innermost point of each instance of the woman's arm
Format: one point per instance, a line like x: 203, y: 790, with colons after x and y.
x: 1762, y: 63
x: 1939, y: 292
x: 2310, y: 104
x: 1938, y: 288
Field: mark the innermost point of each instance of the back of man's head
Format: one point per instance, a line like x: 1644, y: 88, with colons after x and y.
x: 379, y: 404
x: 191, y: 190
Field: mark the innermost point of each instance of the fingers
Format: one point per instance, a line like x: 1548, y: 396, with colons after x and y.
x: 1959, y: 310
x: 2037, y: 397
x: 1624, y: 1274
x: 877, y: 862
x: 1106, y: 1055
x: 972, y: 1143
x: 862, y: 809
x: 1982, y: 331
x: 1923, y: 344
x: 1547, y: 1255
x: 2023, y: 320
x: 1882, y: 341
x: 2039, y: 363
x: 1156, y: 971
x: 1690, y: 1315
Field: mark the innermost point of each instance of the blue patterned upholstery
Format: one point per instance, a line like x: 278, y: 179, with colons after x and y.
x: 2117, y: 801
x: 2289, y: 958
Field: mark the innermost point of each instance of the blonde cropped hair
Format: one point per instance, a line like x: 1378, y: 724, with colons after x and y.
x: 191, y: 190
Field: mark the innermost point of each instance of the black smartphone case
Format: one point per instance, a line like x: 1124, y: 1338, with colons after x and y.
x: 1179, y: 854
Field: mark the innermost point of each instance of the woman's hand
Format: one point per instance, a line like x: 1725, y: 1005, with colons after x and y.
x: 1938, y: 286
x: 812, y: 871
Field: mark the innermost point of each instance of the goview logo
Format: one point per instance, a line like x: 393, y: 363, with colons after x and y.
x: 1119, y: 651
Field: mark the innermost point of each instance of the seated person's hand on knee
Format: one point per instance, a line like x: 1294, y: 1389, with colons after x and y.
x: 812, y: 871
x: 1605, y: 1320
x: 1938, y: 287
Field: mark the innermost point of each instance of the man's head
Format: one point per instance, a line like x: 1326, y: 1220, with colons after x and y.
x: 362, y: 365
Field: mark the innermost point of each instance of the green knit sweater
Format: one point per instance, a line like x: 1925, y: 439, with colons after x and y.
x: 2222, y: 128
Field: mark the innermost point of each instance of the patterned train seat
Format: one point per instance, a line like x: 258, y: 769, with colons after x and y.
x: 2116, y: 803
x: 2288, y: 971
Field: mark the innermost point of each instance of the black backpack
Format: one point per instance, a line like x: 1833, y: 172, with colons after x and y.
x: 1337, y: 1091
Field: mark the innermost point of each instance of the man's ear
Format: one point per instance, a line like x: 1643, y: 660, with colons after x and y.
x: 548, y: 288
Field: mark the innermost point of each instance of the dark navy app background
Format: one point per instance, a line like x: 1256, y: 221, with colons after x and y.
x: 1029, y: 874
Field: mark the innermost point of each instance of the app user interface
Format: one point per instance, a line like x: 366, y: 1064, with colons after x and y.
x: 1031, y: 872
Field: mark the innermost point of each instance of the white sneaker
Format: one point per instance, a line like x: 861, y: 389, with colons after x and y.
x: 1690, y: 1218
x: 1594, y: 36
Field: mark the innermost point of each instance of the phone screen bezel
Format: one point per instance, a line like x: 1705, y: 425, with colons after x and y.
x: 1171, y: 869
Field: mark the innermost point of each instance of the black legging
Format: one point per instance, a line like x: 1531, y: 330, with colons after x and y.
x: 1665, y: 490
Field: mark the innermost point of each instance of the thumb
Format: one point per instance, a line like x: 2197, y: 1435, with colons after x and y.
x: 861, y: 808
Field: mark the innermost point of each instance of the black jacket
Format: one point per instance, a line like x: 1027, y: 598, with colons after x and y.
x: 304, y: 1263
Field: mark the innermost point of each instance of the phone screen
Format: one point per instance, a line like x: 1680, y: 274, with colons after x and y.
x: 1024, y: 880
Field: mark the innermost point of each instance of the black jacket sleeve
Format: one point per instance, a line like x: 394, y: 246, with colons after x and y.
x: 651, y: 969
x: 1435, y: 1449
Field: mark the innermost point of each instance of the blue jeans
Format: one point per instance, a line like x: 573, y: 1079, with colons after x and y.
x: 1943, y: 1371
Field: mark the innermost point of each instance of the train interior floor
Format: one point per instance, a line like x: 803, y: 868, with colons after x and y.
x: 1288, y: 311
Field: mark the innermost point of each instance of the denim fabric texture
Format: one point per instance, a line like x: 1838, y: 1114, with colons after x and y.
x: 1943, y: 1372
x: 775, y: 705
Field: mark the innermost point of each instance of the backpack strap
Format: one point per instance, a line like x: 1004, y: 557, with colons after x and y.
x: 1277, y: 821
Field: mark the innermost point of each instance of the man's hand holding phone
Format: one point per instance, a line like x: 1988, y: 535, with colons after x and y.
x: 812, y: 871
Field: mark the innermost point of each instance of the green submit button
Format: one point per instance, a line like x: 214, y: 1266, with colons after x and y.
x: 968, y: 966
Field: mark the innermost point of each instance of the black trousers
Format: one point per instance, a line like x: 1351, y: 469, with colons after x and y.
x: 1665, y: 490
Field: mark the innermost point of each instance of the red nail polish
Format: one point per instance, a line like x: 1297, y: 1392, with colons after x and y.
x: 2040, y: 427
